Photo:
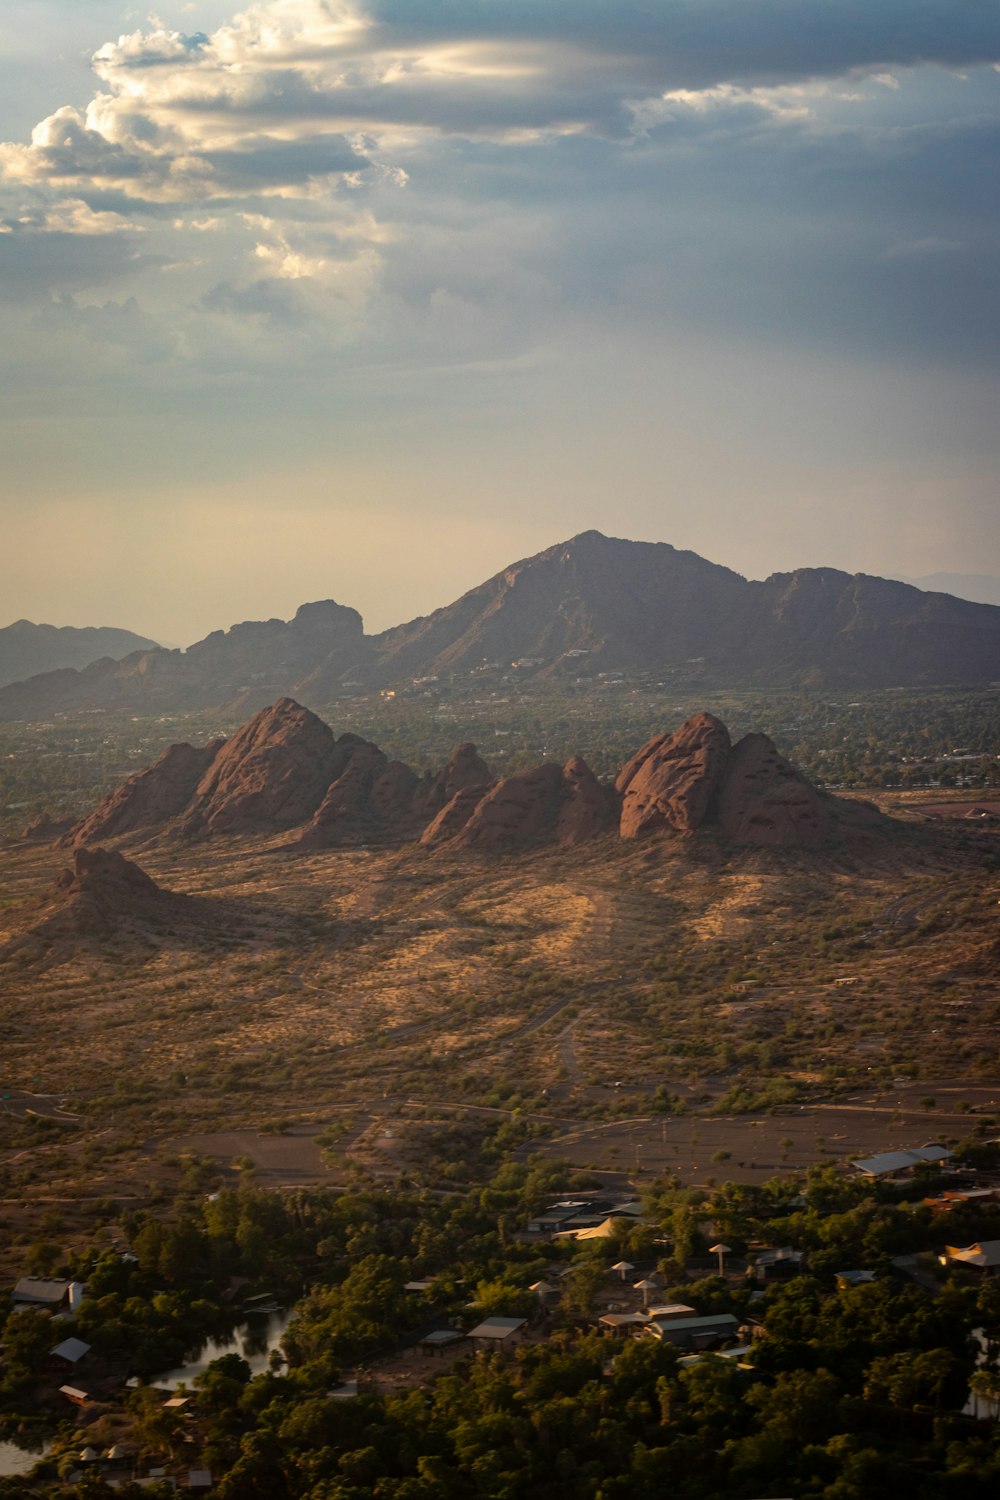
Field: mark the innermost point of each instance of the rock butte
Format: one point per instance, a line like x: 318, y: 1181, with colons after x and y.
x: 285, y: 771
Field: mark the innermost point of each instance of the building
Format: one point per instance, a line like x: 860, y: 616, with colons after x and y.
x: 891, y: 1164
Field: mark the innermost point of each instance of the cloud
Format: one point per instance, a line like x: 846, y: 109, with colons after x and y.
x: 434, y: 180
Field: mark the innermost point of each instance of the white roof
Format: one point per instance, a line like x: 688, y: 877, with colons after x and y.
x: 497, y: 1328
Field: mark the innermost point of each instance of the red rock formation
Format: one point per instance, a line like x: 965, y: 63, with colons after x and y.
x: 272, y: 774
x: 765, y: 800
x: 671, y: 782
x: 347, y: 814
x: 548, y: 804
x: 453, y: 816
x: 465, y: 771
x: 107, y: 875
x: 150, y: 798
x: 587, y: 808
x: 520, y: 810
x: 392, y: 794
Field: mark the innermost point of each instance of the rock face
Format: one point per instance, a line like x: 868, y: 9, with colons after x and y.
x: 453, y: 816
x: 548, y: 804
x: 271, y: 774
x: 375, y: 800
x: 105, y: 876
x: 285, y: 770
x: 671, y: 783
x: 348, y: 814
x: 465, y: 772
x: 765, y: 800
x: 587, y: 807
x: 150, y: 798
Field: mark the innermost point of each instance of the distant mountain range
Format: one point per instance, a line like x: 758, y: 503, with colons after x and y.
x: 588, y: 605
x: 27, y: 649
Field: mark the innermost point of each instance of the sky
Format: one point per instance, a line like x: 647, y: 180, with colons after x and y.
x: 365, y: 299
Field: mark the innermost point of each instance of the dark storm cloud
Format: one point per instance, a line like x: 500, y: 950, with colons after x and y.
x: 711, y: 41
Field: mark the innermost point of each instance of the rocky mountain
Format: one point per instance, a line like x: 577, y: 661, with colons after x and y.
x: 27, y: 649
x: 286, y: 772
x: 590, y: 604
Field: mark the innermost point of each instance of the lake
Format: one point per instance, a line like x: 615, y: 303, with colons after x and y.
x: 17, y: 1459
x: 252, y: 1341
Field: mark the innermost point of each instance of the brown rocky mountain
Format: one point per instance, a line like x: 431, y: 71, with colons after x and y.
x: 285, y: 771
x: 27, y: 649
x: 592, y: 603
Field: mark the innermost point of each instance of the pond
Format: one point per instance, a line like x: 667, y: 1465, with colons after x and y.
x: 21, y: 1458
x: 252, y: 1341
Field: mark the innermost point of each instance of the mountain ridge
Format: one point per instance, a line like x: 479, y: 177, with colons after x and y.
x: 589, y: 604
x: 28, y: 649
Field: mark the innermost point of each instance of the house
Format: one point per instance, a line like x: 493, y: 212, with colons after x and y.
x: 497, y: 1331
x: 954, y: 1197
x: 776, y: 1262
x: 69, y: 1352
x: 983, y: 1256
x: 623, y: 1323
x: 40, y: 1291
x: 695, y: 1333
x: 890, y: 1164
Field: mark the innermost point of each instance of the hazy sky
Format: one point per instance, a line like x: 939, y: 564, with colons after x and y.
x: 365, y: 300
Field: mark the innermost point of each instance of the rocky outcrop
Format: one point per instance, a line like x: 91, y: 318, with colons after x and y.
x: 271, y: 774
x: 150, y: 798
x: 285, y: 770
x: 102, y: 904
x: 671, y: 783
x: 465, y: 772
x: 765, y: 800
x: 104, y: 876
x: 520, y: 811
x: 347, y: 815
x: 45, y: 828
x: 548, y: 804
x: 375, y: 800
x: 453, y: 816
x: 587, y: 809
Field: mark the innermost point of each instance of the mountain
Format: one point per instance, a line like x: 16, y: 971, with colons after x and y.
x: 982, y: 588
x: 590, y: 604
x: 284, y: 771
x: 27, y: 649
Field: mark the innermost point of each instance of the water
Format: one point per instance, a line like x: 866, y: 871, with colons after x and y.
x: 17, y: 1459
x: 252, y: 1341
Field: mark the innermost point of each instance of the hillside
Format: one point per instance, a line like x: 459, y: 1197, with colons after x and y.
x: 591, y: 604
x: 27, y: 649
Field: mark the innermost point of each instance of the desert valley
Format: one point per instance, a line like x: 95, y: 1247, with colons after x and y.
x: 281, y: 966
